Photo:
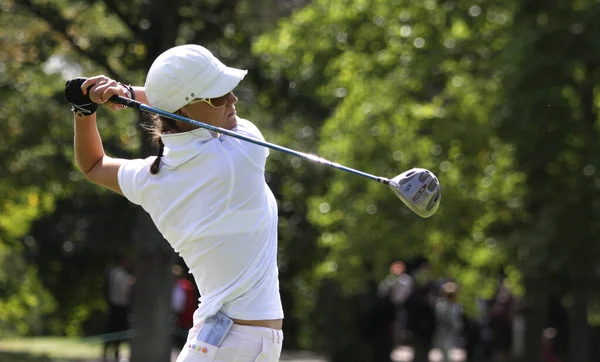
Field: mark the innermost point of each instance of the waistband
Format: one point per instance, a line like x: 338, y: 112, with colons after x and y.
x: 276, y: 336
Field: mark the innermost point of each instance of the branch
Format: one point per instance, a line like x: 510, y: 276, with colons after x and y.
x: 53, y: 18
x: 112, y: 6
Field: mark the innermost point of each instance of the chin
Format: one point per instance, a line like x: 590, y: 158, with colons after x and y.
x: 232, y: 122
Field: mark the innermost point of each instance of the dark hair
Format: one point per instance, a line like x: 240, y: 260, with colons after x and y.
x: 159, y: 126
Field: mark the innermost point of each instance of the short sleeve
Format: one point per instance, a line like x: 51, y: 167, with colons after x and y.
x: 248, y: 128
x: 130, y: 173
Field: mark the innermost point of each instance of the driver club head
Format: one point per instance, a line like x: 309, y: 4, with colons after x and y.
x: 419, y: 190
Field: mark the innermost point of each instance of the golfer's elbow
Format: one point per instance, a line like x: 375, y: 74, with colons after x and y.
x: 103, y: 171
x: 87, y: 167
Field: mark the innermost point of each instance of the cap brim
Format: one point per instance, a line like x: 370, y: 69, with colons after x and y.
x: 227, y: 82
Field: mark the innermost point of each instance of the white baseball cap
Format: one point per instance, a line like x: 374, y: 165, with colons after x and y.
x: 186, y: 72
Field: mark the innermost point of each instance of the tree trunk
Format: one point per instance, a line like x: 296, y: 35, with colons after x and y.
x: 154, y: 282
x: 152, y: 304
x: 152, y: 293
x: 579, y: 341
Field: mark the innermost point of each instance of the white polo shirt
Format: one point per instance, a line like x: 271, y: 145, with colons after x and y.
x: 211, y: 202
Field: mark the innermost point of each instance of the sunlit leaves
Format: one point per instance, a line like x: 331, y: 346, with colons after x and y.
x: 405, y: 80
x: 552, y: 125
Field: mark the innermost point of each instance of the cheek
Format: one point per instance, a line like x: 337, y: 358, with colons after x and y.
x: 224, y: 112
x: 214, y: 115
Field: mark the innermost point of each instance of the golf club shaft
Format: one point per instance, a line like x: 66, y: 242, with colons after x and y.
x: 145, y: 108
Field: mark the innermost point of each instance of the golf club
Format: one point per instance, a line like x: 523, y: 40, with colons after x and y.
x: 417, y: 188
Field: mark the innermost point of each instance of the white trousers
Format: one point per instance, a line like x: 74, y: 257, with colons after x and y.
x: 242, y: 344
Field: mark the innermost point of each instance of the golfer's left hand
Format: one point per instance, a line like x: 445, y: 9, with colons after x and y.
x: 101, y: 88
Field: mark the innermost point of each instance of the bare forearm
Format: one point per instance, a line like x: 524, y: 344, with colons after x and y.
x: 88, y: 144
x: 89, y: 153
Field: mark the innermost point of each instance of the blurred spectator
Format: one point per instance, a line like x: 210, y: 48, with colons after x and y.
x: 184, y: 303
x: 483, y: 348
x: 438, y: 284
x: 420, y: 313
x: 377, y: 327
x: 118, y: 287
x: 448, y: 320
x: 518, y: 331
x: 471, y: 338
x: 501, y: 316
x: 549, y: 345
x: 558, y: 318
x: 398, y: 286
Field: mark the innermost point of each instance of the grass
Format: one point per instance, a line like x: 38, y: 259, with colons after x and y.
x: 55, y: 349
x: 22, y: 357
x: 61, y: 349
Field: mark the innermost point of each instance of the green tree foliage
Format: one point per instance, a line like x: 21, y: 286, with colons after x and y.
x: 551, y: 118
x: 499, y: 99
x: 25, y: 301
x: 29, y: 185
x: 405, y: 95
x: 38, y: 165
x: 553, y: 123
x: 410, y: 86
x: 69, y: 241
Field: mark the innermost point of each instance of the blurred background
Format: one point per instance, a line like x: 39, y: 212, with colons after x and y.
x: 499, y: 99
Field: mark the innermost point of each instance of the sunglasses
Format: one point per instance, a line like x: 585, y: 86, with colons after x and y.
x: 218, y: 102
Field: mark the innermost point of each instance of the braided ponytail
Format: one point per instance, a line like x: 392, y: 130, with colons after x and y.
x: 160, y: 125
x: 154, y: 168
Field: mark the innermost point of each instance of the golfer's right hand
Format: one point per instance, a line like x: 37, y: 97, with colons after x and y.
x: 100, y: 88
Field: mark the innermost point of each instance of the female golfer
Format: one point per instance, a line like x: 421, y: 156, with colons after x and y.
x: 205, y: 192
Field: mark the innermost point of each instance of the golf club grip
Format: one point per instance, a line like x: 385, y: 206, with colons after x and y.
x: 125, y: 101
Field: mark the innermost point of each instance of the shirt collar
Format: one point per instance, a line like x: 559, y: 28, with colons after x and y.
x: 180, y: 146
